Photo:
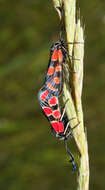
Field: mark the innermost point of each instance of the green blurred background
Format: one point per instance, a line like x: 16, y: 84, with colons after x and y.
x: 30, y: 157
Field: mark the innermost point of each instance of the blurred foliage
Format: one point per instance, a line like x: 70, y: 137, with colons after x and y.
x: 30, y: 157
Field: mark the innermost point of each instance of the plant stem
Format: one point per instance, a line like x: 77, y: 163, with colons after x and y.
x: 74, y: 33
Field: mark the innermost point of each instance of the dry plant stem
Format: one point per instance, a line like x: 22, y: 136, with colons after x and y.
x: 83, y: 179
x: 74, y: 105
x: 69, y: 9
x: 79, y: 133
x: 69, y: 6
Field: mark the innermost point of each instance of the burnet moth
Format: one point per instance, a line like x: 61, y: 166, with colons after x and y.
x: 54, y: 76
x: 59, y: 123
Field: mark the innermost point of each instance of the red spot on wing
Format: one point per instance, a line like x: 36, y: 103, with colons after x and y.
x: 61, y: 127
x: 44, y: 95
x: 47, y: 110
x: 50, y: 71
x: 57, y: 126
x: 57, y: 80
x: 53, y: 101
x: 56, y: 114
x: 58, y: 68
x: 54, y: 56
x: 60, y: 56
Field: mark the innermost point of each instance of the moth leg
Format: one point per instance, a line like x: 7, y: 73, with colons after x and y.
x: 68, y: 126
x: 74, y: 42
x: 64, y: 109
x: 72, y: 129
